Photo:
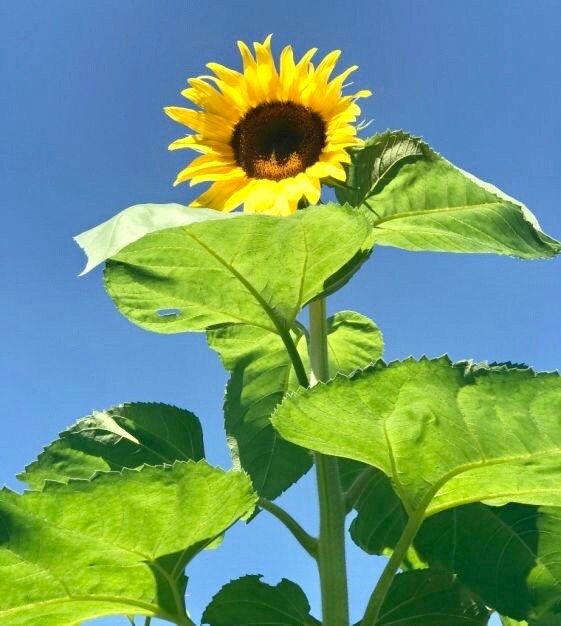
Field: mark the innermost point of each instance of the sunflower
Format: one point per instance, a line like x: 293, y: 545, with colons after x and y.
x: 268, y: 136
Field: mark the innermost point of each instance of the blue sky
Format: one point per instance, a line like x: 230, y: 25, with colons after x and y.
x: 83, y: 136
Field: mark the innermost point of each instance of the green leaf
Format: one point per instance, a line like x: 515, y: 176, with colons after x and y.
x: 417, y: 200
x: 506, y: 621
x: 446, y: 434
x: 250, y: 269
x: 261, y: 373
x: 117, y: 544
x: 128, y: 435
x: 427, y: 598
x: 106, y: 240
x: 250, y: 602
x: 510, y: 556
x: 353, y: 342
x: 381, y: 517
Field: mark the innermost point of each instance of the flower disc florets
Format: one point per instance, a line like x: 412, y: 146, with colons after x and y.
x: 268, y: 136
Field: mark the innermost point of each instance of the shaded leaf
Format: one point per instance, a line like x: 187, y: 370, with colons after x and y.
x: 510, y: 556
x: 381, y: 517
x: 428, y: 598
x: 262, y: 373
x: 446, y: 434
x: 117, y: 544
x: 417, y: 200
x: 128, y: 435
x: 248, y: 601
x: 250, y: 269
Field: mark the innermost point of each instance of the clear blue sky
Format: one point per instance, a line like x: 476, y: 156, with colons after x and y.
x: 83, y: 135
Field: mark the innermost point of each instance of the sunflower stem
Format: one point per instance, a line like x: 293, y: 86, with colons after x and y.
x: 331, y: 544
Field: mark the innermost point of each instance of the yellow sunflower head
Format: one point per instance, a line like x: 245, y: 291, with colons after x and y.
x: 267, y: 135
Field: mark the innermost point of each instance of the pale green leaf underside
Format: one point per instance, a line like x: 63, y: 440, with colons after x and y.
x: 254, y: 269
x: 248, y: 601
x: 445, y: 434
x: 431, y: 598
x: 117, y: 544
x: 261, y: 373
x: 418, y: 200
x: 128, y: 435
x: 108, y: 239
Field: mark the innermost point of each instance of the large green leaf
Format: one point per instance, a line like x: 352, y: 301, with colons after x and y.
x: 106, y: 240
x: 253, y: 269
x: 446, y: 434
x: 262, y: 373
x: 128, y: 435
x: 427, y: 598
x: 417, y: 200
x: 117, y: 544
x: 250, y: 602
x: 510, y: 556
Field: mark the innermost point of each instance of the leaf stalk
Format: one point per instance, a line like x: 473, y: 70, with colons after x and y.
x: 390, y: 570
x: 309, y: 543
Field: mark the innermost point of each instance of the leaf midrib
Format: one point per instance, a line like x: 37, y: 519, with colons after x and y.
x: 462, y: 469
x: 462, y: 207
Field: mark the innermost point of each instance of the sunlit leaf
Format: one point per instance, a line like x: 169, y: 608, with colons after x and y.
x: 117, y: 544
x: 417, y: 200
x: 250, y: 269
x: 446, y: 434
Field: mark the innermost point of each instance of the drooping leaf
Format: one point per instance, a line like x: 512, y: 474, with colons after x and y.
x: 117, y: 544
x: 261, y: 375
x: 248, y: 601
x: 250, y: 269
x: 446, y: 434
x: 431, y: 598
x: 128, y: 435
x: 108, y: 239
x: 417, y: 200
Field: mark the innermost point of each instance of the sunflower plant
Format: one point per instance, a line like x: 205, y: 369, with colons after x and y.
x: 450, y: 470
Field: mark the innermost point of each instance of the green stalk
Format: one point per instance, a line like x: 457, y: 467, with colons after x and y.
x: 379, y: 594
x: 331, y: 543
x: 308, y: 542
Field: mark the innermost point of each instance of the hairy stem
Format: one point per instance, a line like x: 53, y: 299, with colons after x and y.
x: 379, y: 594
x: 309, y: 543
x: 331, y: 545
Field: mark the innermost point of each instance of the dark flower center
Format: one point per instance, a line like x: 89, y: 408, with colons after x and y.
x: 276, y: 140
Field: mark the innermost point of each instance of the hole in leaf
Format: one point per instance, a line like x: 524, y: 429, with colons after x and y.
x: 168, y: 312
